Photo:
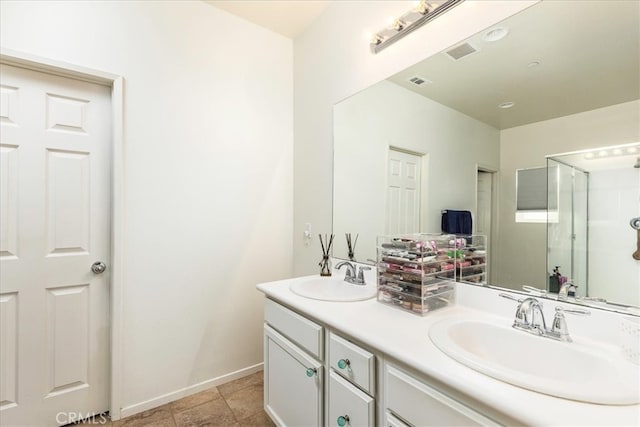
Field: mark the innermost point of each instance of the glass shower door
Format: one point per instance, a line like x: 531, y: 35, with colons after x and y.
x: 567, y: 237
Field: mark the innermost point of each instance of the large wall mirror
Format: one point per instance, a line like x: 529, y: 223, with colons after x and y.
x: 559, y: 77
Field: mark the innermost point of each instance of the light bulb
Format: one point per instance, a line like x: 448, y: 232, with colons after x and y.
x: 422, y: 7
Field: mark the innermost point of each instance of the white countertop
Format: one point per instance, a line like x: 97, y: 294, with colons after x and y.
x: 405, y: 337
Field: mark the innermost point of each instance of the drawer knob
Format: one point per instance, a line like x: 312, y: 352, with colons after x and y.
x: 311, y: 372
x: 343, y: 420
x: 343, y: 363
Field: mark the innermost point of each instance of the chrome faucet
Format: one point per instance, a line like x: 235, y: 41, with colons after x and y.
x: 351, y: 270
x: 350, y: 275
x: 530, y: 318
x: 529, y: 315
x: 565, y: 291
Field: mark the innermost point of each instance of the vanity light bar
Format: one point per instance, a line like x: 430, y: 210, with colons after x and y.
x: 410, y: 21
x: 615, y: 152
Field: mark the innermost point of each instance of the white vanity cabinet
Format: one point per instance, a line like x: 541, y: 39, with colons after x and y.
x: 396, y: 376
x: 304, y: 388
x: 294, y: 373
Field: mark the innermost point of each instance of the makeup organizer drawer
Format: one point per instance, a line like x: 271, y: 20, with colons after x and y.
x: 352, y: 362
x: 302, y: 331
x: 472, y: 259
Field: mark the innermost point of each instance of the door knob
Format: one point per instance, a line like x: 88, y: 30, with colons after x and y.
x: 98, y: 267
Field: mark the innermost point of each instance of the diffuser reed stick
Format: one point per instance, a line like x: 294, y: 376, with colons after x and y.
x: 351, y: 247
x: 325, y: 265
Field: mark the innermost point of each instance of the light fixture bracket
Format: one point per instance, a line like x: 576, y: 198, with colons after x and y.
x: 380, y: 41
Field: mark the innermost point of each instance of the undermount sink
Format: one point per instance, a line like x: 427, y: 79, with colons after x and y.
x: 567, y: 370
x: 332, y: 289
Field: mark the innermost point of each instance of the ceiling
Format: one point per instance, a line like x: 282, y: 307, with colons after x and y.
x: 589, y: 57
x: 288, y: 17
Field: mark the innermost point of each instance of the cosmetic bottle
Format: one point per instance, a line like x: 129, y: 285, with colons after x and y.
x: 554, y: 280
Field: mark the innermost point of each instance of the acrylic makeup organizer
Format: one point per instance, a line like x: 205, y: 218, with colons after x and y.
x: 472, y: 261
x: 417, y: 272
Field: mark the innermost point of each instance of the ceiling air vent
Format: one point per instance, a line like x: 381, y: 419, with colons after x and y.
x: 461, y: 51
x: 419, y: 81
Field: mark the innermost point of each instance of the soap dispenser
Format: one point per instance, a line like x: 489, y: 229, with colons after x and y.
x: 554, y: 280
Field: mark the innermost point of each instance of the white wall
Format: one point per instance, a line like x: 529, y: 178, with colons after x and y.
x: 332, y: 61
x: 384, y: 115
x: 526, y: 146
x: 208, y: 174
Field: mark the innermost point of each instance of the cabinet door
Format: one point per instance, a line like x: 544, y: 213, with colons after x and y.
x: 348, y: 405
x: 293, y: 383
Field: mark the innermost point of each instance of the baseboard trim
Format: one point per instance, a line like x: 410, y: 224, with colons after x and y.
x: 127, y: 411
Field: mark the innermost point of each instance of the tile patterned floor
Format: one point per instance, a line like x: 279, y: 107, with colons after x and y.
x: 234, y: 404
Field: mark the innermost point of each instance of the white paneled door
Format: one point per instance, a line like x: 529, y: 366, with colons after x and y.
x: 54, y: 224
x: 403, y: 192
x: 484, y: 211
x: 484, y: 203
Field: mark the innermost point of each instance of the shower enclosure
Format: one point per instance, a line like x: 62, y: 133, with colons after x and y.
x: 592, y: 196
x: 567, y: 231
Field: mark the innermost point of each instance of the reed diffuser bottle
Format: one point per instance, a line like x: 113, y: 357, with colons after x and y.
x: 325, y: 264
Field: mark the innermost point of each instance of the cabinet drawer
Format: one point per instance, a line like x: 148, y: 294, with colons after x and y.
x: 422, y: 405
x: 348, y: 404
x: 392, y: 421
x: 302, y: 331
x: 352, y: 362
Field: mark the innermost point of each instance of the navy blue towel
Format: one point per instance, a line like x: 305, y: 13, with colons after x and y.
x: 456, y: 222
